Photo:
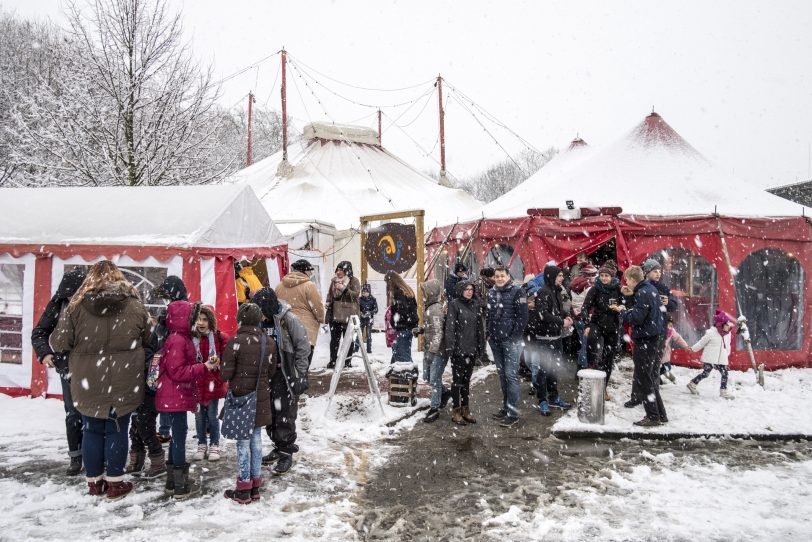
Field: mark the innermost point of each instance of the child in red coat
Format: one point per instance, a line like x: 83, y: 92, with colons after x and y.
x: 209, y: 343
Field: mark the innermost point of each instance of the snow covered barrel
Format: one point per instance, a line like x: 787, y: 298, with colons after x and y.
x: 590, y: 395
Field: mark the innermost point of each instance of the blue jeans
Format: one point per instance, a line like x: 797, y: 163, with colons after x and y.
x: 164, y: 426
x: 545, y: 359
x: 506, y: 358
x: 177, y: 446
x: 206, y: 417
x: 579, y: 328
x: 402, y: 349
x: 437, y: 363
x: 249, y: 455
x: 104, y: 444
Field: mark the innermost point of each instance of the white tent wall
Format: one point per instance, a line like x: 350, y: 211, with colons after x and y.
x: 13, y: 375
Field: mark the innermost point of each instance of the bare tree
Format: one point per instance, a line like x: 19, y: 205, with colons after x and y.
x: 136, y: 109
x: 503, y: 176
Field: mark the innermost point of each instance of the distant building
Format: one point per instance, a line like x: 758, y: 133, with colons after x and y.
x: 798, y: 192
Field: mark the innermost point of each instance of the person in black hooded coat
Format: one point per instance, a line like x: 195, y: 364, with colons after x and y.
x: 40, y: 336
x: 464, y: 341
x: 602, y: 322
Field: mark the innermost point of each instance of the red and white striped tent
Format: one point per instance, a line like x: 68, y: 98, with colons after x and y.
x: 194, y: 232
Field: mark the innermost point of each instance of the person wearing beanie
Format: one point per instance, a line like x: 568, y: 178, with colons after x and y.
x: 602, y: 323
x: 298, y: 291
x: 245, y: 372
x: 342, y: 302
x: 716, y: 345
x: 290, y: 381
x: 460, y: 273
x: 40, y: 335
x: 369, y: 308
x: 544, y: 348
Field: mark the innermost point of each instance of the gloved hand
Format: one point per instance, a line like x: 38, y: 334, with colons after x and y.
x: 299, y: 385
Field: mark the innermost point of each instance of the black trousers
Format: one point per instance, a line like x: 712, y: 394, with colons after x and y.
x: 601, y: 347
x: 284, y: 410
x: 142, y: 428
x: 336, y: 332
x: 647, y: 357
x: 73, y: 421
x: 462, y: 367
x: 637, y: 395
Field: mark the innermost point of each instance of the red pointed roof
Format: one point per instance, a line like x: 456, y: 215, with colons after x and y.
x: 577, y: 142
x: 655, y: 132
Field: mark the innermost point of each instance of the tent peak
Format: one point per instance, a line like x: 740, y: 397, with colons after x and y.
x: 577, y: 142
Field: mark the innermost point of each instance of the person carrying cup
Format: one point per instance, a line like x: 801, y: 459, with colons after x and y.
x: 601, y: 319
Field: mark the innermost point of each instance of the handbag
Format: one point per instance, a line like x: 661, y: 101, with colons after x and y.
x: 240, y: 413
x: 342, y: 310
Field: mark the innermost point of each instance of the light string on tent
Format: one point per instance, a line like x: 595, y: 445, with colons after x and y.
x: 310, y: 68
x: 247, y: 68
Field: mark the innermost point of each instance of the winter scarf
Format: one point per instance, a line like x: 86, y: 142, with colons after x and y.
x: 212, y: 350
x: 344, y: 282
x: 605, y: 288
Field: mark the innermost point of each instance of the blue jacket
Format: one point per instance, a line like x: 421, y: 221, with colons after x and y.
x: 369, y: 307
x: 507, y: 312
x: 646, y: 315
x: 671, y: 306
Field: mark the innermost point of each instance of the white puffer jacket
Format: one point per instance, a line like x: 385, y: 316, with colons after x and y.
x: 715, y: 347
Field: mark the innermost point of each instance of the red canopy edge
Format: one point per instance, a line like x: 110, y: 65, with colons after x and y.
x: 139, y: 252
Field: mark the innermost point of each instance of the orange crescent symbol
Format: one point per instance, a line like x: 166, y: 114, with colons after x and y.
x: 389, y: 241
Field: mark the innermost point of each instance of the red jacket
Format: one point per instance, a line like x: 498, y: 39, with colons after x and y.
x: 179, y: 371
x: 211, y: 387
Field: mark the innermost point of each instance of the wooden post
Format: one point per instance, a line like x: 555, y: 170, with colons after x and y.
x: 250, y: 115
x: 284, y: 107
x: 380, y: 132
x: 363, y: 252
x: 421, y: 271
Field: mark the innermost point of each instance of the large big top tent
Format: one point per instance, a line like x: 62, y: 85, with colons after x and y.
x: 722, y: 244
x: 150, y: 232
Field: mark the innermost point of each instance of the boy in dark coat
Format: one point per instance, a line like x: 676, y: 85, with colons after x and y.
x: 369, y: 308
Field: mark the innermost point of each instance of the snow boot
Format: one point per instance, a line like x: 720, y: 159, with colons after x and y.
x: 331, y: 365
x: 544, y: 408
x: 75, y: 466
x: 200, y: 454
x: 283, y: 465
x: 692, y: 387
x: 256, y: 483
x: 169, y: 487
x: 632, y: 404
x: 647, y: 422
x: 136, y: 463
x: 184, y: 487
x: 214, y: 453
x: 724, y: 394
x: 500, y: 414
x: 272, y: 457
x: 445, y: 396
x: 456, y: 416
x: 96, y: 487
x: 117, y: 488
x: 466, y: 414
x: 431, y: 415
x: 242, y: 493
x: 157, y: 466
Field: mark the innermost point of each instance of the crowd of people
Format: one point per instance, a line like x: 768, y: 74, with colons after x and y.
x: 122, y: 370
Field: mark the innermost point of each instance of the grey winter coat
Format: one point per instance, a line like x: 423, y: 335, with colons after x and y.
x: 294, y: 348
x: 434, y: 317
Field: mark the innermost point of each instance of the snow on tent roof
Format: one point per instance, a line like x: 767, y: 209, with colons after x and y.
x: 177, y: 216
x: 651, y: 170
x: 339, y: 175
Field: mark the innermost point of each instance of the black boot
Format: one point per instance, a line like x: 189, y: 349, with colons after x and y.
x: 169, y: 488
x: 75, y: 466
x: 184, y: 487
x: 444, y: 397
x: 272, y: 457
x: 331, y: 365
x: 284, y: 464
x: 431, y: 415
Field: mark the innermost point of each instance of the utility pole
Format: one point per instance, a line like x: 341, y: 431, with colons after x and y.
x: 251, y: 100
x: 443, y: 178
x: 380, y: 133
x: 284, y: 106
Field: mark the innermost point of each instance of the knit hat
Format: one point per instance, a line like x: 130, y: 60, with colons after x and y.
x: 607, y: 270
x: 366, y: 288
x: 346, y: 267
x: 267, y: 301
x: 172, y: 288
x: 650, y: 265
x: 460, y: 267
x: 487, y: 272
x: 249, y: 314
x: 720, y: 318
x: 589, y: 270
x: 301, y: 266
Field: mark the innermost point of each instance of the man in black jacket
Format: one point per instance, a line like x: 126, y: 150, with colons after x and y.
x: 460, y: 273
x: 544, y: 348
x: 71, y: 281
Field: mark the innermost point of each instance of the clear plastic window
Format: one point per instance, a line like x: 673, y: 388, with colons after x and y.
x: 145, y: 279
x: 770, y: 289
x: 11, y: 313
x: 692, y: 280
x: 500, y: 255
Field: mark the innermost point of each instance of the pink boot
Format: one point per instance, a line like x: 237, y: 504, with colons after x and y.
x: 96, y: 486
x: 256, y: 483
x: 242, y: 494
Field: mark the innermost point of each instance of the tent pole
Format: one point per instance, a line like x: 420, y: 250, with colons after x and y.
x: 380, y: 132
x: 250, y: 117
x: 443, y: 181
x: 284, y: 106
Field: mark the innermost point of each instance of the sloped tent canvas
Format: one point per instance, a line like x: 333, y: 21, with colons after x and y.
x: 195, y: 232
x: 668, y: 193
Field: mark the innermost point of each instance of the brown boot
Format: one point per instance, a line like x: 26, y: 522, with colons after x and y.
x: 466, y: 414
x: 136, y: 462
x: 157, y: 465
x: 456, y: 416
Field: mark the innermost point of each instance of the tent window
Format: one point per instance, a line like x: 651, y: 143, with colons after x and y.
x: 11, y: 313
x: 501, y: 255
x: 440, y: 270
x: 770, y: 290
x: 692, y: 280
x: 145, y: 279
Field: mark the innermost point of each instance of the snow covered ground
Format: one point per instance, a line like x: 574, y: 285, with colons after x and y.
x: 780, y: 408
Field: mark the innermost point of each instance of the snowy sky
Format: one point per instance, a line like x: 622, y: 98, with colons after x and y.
x: 731, y: 76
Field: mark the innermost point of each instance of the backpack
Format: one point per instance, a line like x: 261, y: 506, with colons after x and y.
x: 154, y: 365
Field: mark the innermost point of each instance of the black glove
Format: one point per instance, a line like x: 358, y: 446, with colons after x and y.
x: 299, y: 385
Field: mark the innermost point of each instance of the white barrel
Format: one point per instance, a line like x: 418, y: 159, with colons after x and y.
x: 591, y: 385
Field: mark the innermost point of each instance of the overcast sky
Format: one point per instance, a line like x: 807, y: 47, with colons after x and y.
x: 733, y: 78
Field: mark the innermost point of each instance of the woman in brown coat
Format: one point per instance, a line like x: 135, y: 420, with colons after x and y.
x: 298, y: 291
x: 105, y: 327
x: 242, y: 368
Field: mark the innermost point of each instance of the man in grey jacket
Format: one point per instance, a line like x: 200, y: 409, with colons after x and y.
x: 287, y: 383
